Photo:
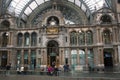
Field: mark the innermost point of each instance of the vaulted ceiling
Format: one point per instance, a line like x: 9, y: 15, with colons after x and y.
x: 24, y: 8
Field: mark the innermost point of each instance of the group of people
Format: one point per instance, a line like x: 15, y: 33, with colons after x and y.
x: 52, y: 70
x: 22, y: 70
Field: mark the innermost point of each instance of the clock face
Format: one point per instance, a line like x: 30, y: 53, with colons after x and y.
x: 52, y: 23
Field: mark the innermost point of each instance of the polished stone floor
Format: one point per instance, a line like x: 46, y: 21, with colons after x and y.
x: 63, y: 76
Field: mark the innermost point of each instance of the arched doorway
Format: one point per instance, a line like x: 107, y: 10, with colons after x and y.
x: 52, y: 52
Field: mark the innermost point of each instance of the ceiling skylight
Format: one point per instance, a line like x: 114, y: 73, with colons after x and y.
x: 27, y: 6
x: 94, y: 4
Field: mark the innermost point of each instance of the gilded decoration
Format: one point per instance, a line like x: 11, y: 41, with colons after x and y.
x: 52, y: 30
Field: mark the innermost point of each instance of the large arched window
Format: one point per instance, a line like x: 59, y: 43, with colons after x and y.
x: 107, y: 36
x: 5, y: 24
x: 66, y: 55
x: 5, y: 39
x: 25, y: 56
x: 73, y: 38
x: 105, y: 19
x: 73, y: 58
x: 26, y: 39
x: 89, y: 37
x: 19, y: 39
x: 91, y: 57
x: 33, y: 39
x: 18, y: 58
x: 81, y: 38
x: 33, y: 59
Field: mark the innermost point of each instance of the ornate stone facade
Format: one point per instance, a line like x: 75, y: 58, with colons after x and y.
x: 52, y: 39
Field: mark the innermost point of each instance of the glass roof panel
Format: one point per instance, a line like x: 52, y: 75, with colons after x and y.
x: 24, y: 17
x: 83, y: 7
x: 13, y: 4
x: 71, y: 1
x: 77, y: 2
x: 47, y: 0
x: 18, y: 5
x: 39, y: 1
x: 94, y: 4
x: 27, y: 11
x: 33, y: 5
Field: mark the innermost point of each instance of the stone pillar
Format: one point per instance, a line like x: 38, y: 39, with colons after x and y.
x: 8, y: 57
x: 102, y: 52
x: 29, y: 57
x: 10, y: 37
x: 114, y: 36
x: 62, y: 56
x: 43, y: 55
x: 23, y: 40
x: 115, y: 54
x: 86, y: 56
x: 1, y: 40
x: 98, y: 35
x: 78, y: 57
x: 101, y: 57
x: 0, y: 57
x: 14, y: 58
x: 22, y: 57
x: 30, y: 40
x: 96, y: 57
x: 70, y: 56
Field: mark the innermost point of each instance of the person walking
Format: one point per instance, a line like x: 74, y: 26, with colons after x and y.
x: 22, y: 70
x: 56, y: 71
x: 8, y: 66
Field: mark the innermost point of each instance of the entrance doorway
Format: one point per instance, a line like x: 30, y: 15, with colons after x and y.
x: 3, y: 59
x: 52, y: 53
x: 108, y: 59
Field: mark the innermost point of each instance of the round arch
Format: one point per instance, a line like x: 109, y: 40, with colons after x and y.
x: 44, y: 8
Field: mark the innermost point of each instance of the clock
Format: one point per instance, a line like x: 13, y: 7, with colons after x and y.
x: 53, y: 22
